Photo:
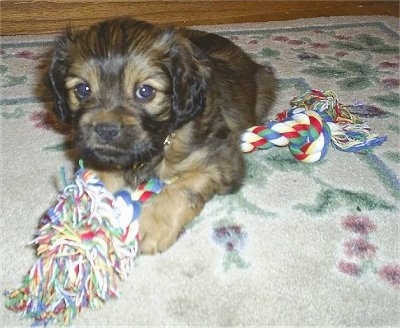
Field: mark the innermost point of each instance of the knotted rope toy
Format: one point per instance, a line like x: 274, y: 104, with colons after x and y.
x: 84, y: 243
x: 314, y: 120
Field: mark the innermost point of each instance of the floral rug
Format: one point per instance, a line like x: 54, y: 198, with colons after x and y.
x: 300, y: 244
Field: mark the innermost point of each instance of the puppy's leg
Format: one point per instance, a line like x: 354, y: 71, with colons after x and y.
x: 113, y: 180
x: 164, y: 216
x: 266, y: 93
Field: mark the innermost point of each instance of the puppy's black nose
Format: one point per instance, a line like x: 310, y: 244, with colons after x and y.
x: 107, y: 131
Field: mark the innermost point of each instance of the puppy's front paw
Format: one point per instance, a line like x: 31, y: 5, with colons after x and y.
x: 164, y: 216
x: 155, y: 234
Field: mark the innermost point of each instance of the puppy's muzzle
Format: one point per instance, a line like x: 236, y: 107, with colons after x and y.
x: 107, y: 132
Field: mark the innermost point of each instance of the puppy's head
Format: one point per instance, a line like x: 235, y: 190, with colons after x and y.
x: 125, y: 85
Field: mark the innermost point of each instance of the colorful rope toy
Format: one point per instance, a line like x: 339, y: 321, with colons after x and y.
x: 315, y: 119
x: 85, y: 243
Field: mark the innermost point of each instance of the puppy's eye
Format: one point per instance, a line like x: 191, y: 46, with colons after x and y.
x: 82, y: 91
x: 145, y: 92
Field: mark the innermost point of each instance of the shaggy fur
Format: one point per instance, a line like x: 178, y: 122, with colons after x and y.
x: 145, y: 101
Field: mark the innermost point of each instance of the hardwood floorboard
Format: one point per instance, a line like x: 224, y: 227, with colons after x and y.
x: 34, y: 17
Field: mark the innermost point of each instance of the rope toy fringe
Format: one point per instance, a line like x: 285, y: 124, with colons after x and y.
x: 85, y: 243
x: 314, y: 120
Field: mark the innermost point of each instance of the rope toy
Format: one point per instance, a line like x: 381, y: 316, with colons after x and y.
x: 84, y: 243
x: 315, y: 119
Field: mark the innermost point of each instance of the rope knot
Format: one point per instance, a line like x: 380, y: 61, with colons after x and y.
x: 314, y: 120
x: 303, y: 131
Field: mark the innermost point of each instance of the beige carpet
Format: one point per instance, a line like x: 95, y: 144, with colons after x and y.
x: 300, y: 244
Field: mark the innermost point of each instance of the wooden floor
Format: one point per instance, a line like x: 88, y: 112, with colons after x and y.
x: 34, y: 17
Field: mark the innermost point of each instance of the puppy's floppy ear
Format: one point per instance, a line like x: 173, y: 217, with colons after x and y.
x: 189, y: 75
x: 56, y: 80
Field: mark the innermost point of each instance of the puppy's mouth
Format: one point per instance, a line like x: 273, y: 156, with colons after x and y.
x: 117, y: 154
x: 107, y: 156
x: 107, y: 151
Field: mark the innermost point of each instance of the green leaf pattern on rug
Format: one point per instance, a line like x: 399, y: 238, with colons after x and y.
x: 367, y: 43
x: 63, y: 146
x: 268, y: 52
x: 7, y: 80
x: 351, y: 75
x: 393, y: 156
x: 299, y: 84
x: 394, y: 128
x: 327, y: 200
x: 14, y: 113
x: 391, y: 100
x: 390, y: 179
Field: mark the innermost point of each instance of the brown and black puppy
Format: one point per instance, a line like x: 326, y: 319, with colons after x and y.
x: 169, y: 103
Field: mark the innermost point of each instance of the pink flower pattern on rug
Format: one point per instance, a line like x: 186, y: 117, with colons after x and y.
x: 232, y: 238
x: 360, y: 256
